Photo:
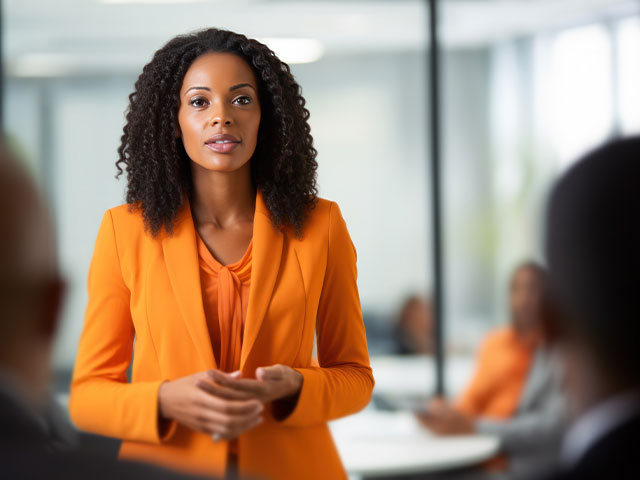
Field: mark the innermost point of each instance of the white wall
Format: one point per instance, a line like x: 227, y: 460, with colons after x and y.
x: 368, y: 122
x: 367, y: 117
x: 87, y: 119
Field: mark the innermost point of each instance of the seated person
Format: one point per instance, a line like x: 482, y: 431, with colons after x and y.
x: 413, y: 329
x: 515, y: 391
x: 36, y: 442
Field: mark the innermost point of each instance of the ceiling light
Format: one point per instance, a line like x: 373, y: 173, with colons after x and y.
x: 295, y: 50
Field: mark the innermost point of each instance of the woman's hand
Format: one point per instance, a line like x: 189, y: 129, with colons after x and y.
x: 441, y: 418
x: 198, y: 403
x: 277, y: 383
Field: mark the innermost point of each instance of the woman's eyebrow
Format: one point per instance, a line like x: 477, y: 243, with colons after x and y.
x: 240, y: 85
x: 197, y: 88
x: 231, y: 89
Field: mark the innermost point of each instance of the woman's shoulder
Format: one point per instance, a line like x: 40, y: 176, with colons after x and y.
x: 126, y: 214
x: 321, y: 218
x: 126, y: 220
x: 325, y: 228
x: 320, y: 210
x: 499, y: 337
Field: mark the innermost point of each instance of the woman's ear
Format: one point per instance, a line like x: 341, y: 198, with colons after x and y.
x: 552, y: 320
x: 53, y: 297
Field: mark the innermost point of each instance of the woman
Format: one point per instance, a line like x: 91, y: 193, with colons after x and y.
x: 222, y: 265
x: 413, y: 329
x: 516, y: 392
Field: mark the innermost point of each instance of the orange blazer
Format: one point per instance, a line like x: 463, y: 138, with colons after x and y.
x: 146, y: 291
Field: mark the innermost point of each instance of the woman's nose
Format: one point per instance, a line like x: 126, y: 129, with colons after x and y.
x: 220, y: 117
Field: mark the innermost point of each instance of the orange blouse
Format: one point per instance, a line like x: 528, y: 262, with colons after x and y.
x: 225, y: 296
x: 499, y: 378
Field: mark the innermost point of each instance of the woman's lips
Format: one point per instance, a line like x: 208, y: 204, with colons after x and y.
x: 224, y: 146
x: 222, y: 143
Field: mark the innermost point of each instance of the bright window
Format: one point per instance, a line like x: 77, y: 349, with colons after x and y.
x: 580, y: 94
x: 628, y: 39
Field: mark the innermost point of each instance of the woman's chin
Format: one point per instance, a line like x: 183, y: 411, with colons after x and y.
x: 221, y: 163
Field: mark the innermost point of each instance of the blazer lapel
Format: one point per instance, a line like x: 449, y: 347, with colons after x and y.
x: 181, y: 259
x: 267, y: 252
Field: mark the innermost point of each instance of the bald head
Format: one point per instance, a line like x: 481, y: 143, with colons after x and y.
x: 27, y: 244
x: 30, y: 287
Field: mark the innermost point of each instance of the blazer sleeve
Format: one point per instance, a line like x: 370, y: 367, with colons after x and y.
x: 530, y: 432
x: 101, y: 398
x: 539, y: 423
x: 473, y: 398
x: 343, y: 382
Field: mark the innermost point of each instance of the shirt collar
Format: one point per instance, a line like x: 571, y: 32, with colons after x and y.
x: 596, y: 423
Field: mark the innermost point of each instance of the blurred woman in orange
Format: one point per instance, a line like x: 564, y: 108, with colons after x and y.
x: 515, y: 392
x: 222, y: 266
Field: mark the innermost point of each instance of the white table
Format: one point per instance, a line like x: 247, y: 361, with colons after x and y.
x: 373, y: 443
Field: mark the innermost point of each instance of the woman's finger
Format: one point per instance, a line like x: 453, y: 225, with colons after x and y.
x: 230, y: 426
x: 230, y: 407
x: 272, y: 373
x: 223, y: 392
x: 254, y: 387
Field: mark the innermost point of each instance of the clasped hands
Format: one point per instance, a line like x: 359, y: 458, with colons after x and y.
x: 225, y: 404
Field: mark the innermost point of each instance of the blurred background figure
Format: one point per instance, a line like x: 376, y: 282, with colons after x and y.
x: 593, y: 248
x: 515, y: 392
x: 413, y: 327
x: 36, y: 438
x: 30, y: 297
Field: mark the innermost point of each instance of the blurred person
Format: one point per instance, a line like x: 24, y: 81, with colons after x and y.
x: 413, y: 329
x: 30, y: 295
x: 223, y: 265
x: 36, y: 440
x: 515, y: 392
x: 592, y: 244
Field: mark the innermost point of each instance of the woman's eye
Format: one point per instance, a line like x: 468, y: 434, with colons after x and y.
x: 243, y: 100
x: 198, y: 102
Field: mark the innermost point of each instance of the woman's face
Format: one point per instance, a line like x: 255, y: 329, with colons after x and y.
x: 526, y: 299
x: 219, y: 112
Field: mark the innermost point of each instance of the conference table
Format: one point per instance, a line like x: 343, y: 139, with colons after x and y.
x: 378, y: 443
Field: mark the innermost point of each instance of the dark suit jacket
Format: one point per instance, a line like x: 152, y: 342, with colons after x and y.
x: 616, y: 456
x: 31, y: 448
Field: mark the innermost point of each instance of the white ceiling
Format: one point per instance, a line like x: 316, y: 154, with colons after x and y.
x: 91, y: 35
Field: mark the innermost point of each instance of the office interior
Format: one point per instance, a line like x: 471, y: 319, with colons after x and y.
x: 526, y: 87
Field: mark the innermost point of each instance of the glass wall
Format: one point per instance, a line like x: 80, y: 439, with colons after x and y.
x: 526, y: 87
x: 71, y: 65
x: 525, y: 94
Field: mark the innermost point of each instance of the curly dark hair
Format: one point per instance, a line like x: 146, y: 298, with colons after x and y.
x: 283, y: 165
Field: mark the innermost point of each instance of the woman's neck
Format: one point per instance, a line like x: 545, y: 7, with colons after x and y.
x: 222, y: 198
